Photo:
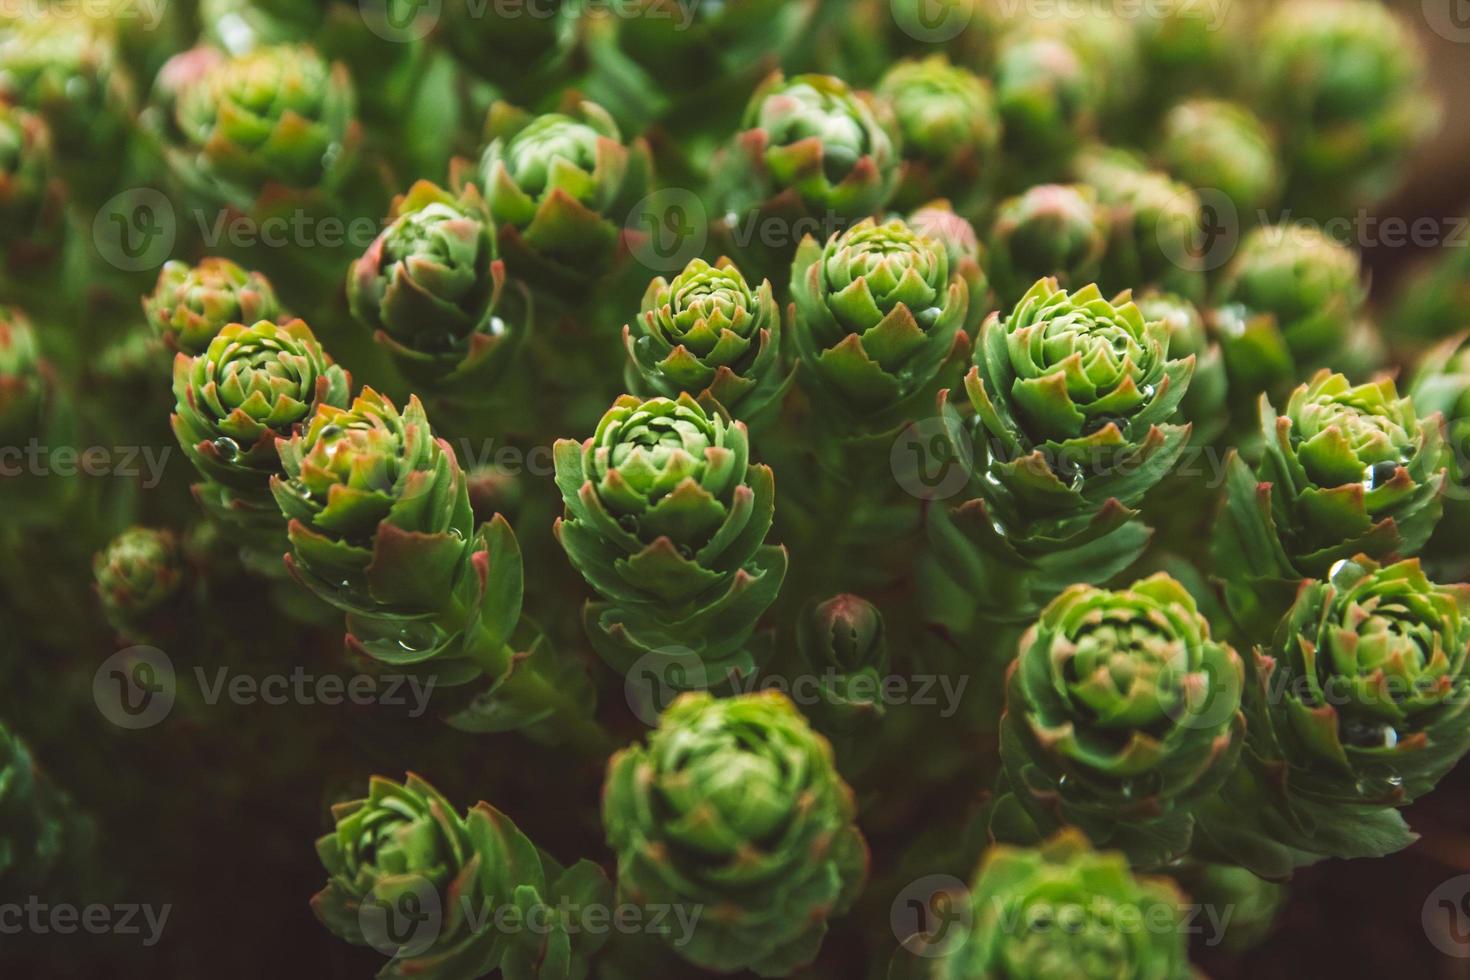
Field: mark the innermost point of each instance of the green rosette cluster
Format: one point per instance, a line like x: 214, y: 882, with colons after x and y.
x: 1346, y: 470
x: 560, y: 186
x: 1049, y: 102
x: 1057, y: 231
x: 1060, y: 910
x: 1121, y: 714
x: 250, y: 387
x: 1206, y: 404
x: 138, y: 576
x: 878, y: 312
x: 24, y: 389
x: 1289, y: 300
x: 191, y: 304
x: 812, y: 154
x: 951, y: 133
x: 843, y: 641
x: 1441, y: 386
x: 707, y: 332
x: 453, y: 897
x: 1222, y: 148
x: 1433, y: 299
x: 66, y: 70
x: 44, y: 839
x: 1075, y: 398
x: 1356, y: 708
x: 433, y: 292
x: 938, y: 222
x: 1155, y: 227
x: 32, y: 197
x: 276, y: 119
x: 380, y: 526
x: 1346, y: 84
x: 667, y: 519
x: 1255, y: 904
x: 735, y: 805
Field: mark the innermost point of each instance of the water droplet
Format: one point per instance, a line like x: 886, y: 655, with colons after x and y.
x: 227, y: 448
x: 496, y: 327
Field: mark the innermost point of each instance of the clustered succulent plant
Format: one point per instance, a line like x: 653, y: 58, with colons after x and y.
x: 1010, y: 514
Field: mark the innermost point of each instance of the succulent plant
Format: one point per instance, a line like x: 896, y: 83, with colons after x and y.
x: 736, y: 804
x: 708, y: 332
x: 667, y: 519
x: 1121, y: 712
x: 1053, y: 231
x: 843, y: 639
x: 191, y: 304
x: 430, y: 288
x: 1222, y: 148
x: 878, y: 313
x: 137, y: 575
x: 32, y: 197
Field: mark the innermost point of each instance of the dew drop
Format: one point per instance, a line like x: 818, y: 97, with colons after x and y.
x: 227, y: 448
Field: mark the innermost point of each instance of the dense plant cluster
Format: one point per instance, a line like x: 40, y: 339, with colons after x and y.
x: 765, y: 474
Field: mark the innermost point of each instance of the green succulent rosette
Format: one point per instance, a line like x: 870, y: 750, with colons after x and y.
x: 878, y: 312
x: 1193, y: 49
x: 24, y: 389
x: 1347, y: 85
x: 736, y: 805
x: 1057, y: 231
x: 843, y: 640
x: 1206, y: 404
x: 1356, y: 707
x: 45, y: 840
x: 435, y: 891
x: 938, y: 221
x: 191, y: 304
x: 138, y: 575
x: 707, y: 332
x: 1154, y: 228
x: 380, y: 526
x: 1057, y: 910
x: 433, y: 293
x: 1346, y: 470
x: 812, y: 153
x: 275, y: 120
x: 951, y: 133
x: 1075, y: 398
x: 32, y: 197
x: 1221, y: 147
x: 1441, y: 386
x: 1308, y: 285
x: 1255, y: 904
x: 65, y: 70
x: 559, y: 187
x: 250, y: 387
x: 1121, y: 713
x: 667, y: 519
x: 1049, y: 103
